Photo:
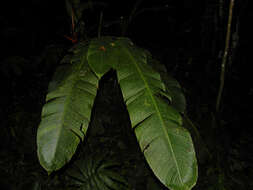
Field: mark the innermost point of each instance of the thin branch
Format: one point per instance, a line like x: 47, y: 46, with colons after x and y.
x: 100, y: 24
x: 224, y: 59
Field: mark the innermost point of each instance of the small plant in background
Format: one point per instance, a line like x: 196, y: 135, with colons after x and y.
x: 76, y: 10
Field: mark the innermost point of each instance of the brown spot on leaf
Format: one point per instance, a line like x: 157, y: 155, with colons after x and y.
x: 102, y: 48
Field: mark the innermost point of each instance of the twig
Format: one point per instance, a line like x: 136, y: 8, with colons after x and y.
x: 100, y: 24
x: 224, y: 59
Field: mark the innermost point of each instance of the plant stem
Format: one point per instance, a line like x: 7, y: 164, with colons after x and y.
x: 224, y: 59
x: 100, y: 24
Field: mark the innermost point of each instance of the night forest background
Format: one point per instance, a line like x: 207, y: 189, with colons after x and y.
x: 187, y: 36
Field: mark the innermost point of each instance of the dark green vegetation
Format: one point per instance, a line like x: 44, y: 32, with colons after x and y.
x: 189, y: 43
x: 156, y: 121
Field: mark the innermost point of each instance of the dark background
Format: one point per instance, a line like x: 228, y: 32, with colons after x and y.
x: 187, y: 36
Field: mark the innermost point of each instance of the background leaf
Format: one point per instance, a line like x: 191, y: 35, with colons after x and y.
x: 94, y: 172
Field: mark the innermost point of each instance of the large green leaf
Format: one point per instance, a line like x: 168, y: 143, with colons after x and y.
x: 167, y: 146
x: 66, y: 114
